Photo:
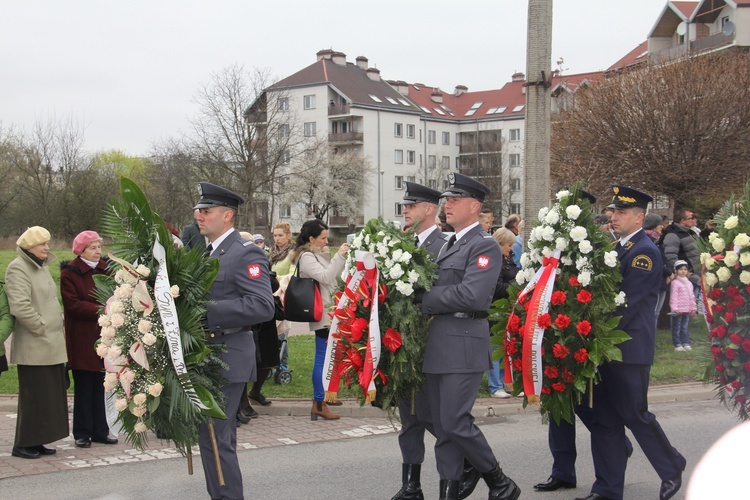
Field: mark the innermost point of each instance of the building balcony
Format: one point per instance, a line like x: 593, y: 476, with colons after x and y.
x: 711, y: 42
x: 256, y: 117
x: 483, y: 147
x: 668, y: 54
x: 347, y: 138
x: 338, y: 110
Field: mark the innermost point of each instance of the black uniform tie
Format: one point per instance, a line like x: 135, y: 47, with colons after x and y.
x: 451, y: 241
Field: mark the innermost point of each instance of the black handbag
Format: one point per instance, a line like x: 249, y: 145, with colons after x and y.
x: 302, y: 300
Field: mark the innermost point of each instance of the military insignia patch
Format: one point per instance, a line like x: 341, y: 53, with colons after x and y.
x: 483, y: 262
x: 642, y: 262
x: 628, y: 244
x: 253, y: 270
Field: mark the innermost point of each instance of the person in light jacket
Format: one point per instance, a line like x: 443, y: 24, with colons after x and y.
x: 682, y: 304
x: 37, y: 347
x: 6, y: 327
x: 313, y: 260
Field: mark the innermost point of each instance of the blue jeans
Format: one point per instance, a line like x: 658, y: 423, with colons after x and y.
x: 680, y: 334
x: 495, y: 377
x: 317, y: 371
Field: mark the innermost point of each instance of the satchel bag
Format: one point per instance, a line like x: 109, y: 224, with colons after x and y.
x: 302, y: 300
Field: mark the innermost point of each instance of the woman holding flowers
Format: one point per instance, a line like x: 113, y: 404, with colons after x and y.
x: 314, y: 261
x: 82, y: 330
x: 37, y: 347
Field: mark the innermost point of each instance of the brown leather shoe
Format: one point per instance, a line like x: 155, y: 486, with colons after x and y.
x: 320, y: 409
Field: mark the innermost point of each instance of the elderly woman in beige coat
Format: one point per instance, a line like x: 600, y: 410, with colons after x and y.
x: 37, y: 347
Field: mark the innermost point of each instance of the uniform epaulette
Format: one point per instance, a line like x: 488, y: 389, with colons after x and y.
x: 248, y: 243
x: 487, y: 236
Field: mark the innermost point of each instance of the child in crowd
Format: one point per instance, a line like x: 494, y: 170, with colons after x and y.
x: 682, y: 305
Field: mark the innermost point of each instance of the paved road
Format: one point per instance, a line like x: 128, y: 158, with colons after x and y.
x: 368, y: 466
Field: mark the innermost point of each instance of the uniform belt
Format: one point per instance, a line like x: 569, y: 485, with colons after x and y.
x: 468, y: 315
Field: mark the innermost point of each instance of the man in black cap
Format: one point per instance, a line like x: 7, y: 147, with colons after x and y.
x: 621, y: 397
x: 458, y: 344
x: 240, y: 297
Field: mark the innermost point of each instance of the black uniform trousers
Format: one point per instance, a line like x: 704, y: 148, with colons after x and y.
x: 621, y: 400
x: 89, y: 413
x: 413, y: 425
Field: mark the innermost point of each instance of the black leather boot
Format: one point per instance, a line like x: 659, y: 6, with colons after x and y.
x: 469, y: 479
x: 448, y: 489
x: 411, y: 488
x: 501, y: 486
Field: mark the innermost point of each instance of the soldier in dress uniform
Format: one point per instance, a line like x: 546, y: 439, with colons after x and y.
x: 240, y: 297
x: 621, y: 397
x: 458, y: 344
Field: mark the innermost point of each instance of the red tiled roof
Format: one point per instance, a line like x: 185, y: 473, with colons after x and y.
x: 687, y: 8
x: 633, y: 57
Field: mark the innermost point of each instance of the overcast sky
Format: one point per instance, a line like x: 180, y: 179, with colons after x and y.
x: 129, y: 70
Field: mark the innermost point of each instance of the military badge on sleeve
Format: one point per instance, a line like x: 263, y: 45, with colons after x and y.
x: 643, y: 262
x: 253, y: 270
x: 483, y: 262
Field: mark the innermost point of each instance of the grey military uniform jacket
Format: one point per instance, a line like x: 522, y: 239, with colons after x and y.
x: 467, y: 276
x: 240, y: 297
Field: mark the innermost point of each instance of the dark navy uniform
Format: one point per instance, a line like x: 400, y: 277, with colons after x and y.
x: 621, y: 398
x: 240, y: 297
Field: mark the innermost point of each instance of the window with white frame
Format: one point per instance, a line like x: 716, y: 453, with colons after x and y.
x: 410, y: 131
x: 515, y: 134
x: 411, y: 157
x: 515, y: 208
x: 284, y: 131
x: 398, y: 209
x: 309, y: 101
x: 285, y: 211
x: 515, y: 184
x: 283, y: 104
x: 432, y: 183
x: 411, y: 178
x: 446, y: 138
x: 310, y: 129
x: 398, y: 130
x: 514, y: 159
x: 445, y: 162
x: 398, y: 156
x: 398, y: 182
x: 431, y: 161
x: 431, y: 136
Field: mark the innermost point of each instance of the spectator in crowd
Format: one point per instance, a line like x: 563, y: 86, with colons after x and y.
x: 652, y: 224
x: 506, y: 239
x: 280, y: 258
x: 682, y: 305
x: 486, y: 219
x: 260, y: 241
x: 82, y: 330
x: 6, y: 327
x: 708, y: 228
x: 314, y: 261
x: 515, y: 225
x: 191, y: 235
x: 679, y: 242
x: 37, y: 347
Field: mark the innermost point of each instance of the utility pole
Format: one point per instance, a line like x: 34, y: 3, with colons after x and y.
x: 537, y: 135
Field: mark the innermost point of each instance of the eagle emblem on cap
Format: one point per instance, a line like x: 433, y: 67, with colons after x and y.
x: 200, y: 190
x: 452, y: 178
x: 615, y: 189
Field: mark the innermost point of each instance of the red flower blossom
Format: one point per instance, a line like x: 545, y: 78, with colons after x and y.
x: 738, y: 300
x: 514, y: 323
x: 729, y: 317
x: 559, y: 386
x: 517, y: 365
x: 718, y: 308
x: 720, y: 331
x: 511, y: 348
x: 584, y: 327
x: 716, y: 293
x: 730, y: 354
x: 746, y: 367
x: 731, y: 306
x: 573, y: 281
x: 736, y: 384
x: 558, y: 298
x: 355, y: 358
x: 735, y: 338
x: 720, y: 368
x: 523, y: 299
x: 584, y: 296
x: 562, y: 321
x: 746, y: 345
x: 748, y: 289
x: 581, y: 355
x: 392, y: 339
x: 550, y: 372
x: 544, y: 321
x: 715, y: 350
x: 741, y: 399
x: 567, y: 376
x: 732, y: 291
x: 382, y: 294
x: 358, y: 329
x: 546, y: 390
x: 560, y: 351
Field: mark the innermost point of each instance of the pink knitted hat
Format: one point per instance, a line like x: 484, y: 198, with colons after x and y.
x: 83, y: 239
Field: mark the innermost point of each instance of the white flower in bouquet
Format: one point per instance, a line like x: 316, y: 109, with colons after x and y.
x: 108, y: 332
x: 111, y: 378
x: 106, y: 341
x: 566, y: 260
x: 143, y: 270
x: 140, y: 427
x: 102, y: 349
x: 543, y: 212
x: 610, y: 258
x: 104, y: 320
x: 585, y: 246
x: 731, y: 222
x: 521, y: 277
x: 718, y: 244
x: 710, y: 279
x: 382, y: 249
x: 562, y: 194
x: 578, y: 233
x: 525, y: 259
x: 723, y: 274
x: 582, y: 262
x: 745, y: 277
x: 529, y: 273
x: 367, y: 239
x: 116, y: 306
x: 405, y: 257
x: 145, y: 326
x: 357, y: 242
x: 387, y: 263
x: 117, y: 320
x: 121, y: 404
x: 584, y: 278
x: 548, y: 233
x: 396, y: 272
x: 149, y: 339
x: 547, y: 252
x: 620, y: 299
x: 109, y: 386
x: 404, y: 288
x: 744, y: 258
x: 396, y: 255
x: 381, y: 233
x: 413, y: 276
x: 731, y: 258
x: 139, y: 398
x: 123, y: 291
x: 573, y: 211
x: 155, y: 389
x: 114, y: 352
x: 138, y: 411
x: 128, y: 375
x: 741, y: 240
x: 174, y: 291
x: 561, y: 244
x: 123, y: 276
x: 552, y: 217
x: 712, y: 237
x: 392, y: 243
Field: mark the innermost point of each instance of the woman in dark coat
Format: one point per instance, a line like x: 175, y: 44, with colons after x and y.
x: 81, y: 333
